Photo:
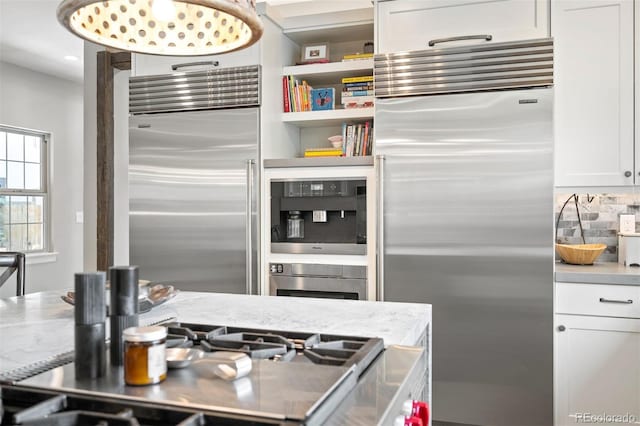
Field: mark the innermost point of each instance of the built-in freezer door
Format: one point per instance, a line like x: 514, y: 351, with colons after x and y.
x: 193, y: 198
x: 467, y: 219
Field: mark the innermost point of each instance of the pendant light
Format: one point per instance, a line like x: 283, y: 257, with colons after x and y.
x: 164, y: 27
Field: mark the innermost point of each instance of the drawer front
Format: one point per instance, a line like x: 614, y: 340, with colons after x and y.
x: 410, y: 24
x: 155, y: 64
x: 598, y: 299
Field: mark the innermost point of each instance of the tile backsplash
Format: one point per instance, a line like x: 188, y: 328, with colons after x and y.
x: 600, y: 214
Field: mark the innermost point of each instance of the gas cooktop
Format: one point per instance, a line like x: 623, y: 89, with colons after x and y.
x: 297, y: 378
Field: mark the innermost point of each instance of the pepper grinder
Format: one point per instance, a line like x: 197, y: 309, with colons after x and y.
x: 123, y: 309
x: 90, y: 316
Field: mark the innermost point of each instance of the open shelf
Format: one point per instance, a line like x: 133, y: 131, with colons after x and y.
x: 365, y: 160
x: 327, y: 117
x: 330, y: 73
x: 332, y: 33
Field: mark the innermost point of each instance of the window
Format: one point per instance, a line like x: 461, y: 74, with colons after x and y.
x: 23, y: 190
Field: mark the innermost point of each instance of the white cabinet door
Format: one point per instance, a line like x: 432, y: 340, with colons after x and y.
x: 594, y: 92
x: 410, y: 24
x: 597, y: 370
x: 154, y: 64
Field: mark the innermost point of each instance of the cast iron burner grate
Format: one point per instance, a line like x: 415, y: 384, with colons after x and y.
x: 28, y: 407
x: 281, y: 346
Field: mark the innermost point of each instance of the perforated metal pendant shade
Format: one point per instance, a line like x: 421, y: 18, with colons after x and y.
x: 164, y: 27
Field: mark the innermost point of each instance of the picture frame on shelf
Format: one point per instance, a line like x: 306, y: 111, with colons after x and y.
x: 314, y: 53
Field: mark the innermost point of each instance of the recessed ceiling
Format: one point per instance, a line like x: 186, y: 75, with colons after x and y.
x: 31, y: 37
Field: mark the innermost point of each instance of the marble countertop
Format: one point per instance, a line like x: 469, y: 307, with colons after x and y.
x: 40, y: 325
x: 598, y: 273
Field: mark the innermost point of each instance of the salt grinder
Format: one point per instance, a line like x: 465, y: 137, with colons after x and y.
x: 90, y: 316
x: 124, y: 307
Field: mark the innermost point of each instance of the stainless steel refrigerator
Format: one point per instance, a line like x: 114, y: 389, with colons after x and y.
x: 465, y: 143
x: 193, y: 200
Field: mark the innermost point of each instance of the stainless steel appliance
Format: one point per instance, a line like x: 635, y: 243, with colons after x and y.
x: 316, y: 280
x: 193, y: 178
x: 296, y: 378
x: 325, y: 216
x: 467, y: 220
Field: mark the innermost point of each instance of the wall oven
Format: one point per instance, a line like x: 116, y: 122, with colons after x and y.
x: 319, y: 228
x: 316, y: 280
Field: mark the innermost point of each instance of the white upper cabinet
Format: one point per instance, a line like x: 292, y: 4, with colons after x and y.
x: 594, y: 92
x: 153, y: 64
x: 411, y: 24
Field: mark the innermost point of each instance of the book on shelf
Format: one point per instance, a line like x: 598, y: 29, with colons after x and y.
x: 360, y: 79
x: 316, y: 61
x: 357, y: 102
x: 296, y: 95
x: 363, y: 85
x: 323, y: 152
x: 323, y: 99
x: 356, y: 93
x: 357, y: 57
x: 358, y: 139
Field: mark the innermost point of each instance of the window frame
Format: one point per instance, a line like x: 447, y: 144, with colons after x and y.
x: 44, y: 191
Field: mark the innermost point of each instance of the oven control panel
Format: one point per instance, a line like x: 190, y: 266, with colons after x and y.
x: 276, y: 268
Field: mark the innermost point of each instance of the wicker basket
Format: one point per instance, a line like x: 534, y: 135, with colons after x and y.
x: 580, y: 254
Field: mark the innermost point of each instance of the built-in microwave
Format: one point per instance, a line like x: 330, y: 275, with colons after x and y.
x: 325, y: 216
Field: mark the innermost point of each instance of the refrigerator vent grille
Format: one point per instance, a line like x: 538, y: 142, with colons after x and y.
x: 195, y: 90
x: 491, y: 66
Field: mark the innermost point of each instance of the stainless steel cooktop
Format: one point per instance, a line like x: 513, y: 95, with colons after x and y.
x: 295, y: 377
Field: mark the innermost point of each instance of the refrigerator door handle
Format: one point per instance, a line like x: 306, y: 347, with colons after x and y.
x: 380, y: 226
x: 249, y: 223
x: 176, y: 67
x: 486, y: 37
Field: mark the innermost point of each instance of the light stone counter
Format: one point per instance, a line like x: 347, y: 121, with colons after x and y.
x: 40, y: 325
x: 598, y: 273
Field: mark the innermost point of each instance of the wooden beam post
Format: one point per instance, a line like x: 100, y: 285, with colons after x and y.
x: 106, y: 62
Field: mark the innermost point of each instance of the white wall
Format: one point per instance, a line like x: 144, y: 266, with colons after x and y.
x: 39, y: 101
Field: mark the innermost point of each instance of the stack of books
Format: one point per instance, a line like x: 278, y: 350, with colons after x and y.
x: 358, y: 139
x: 296, y: 95
x: 323, y: 152
x: 357, y: 57
x: 357, y: 92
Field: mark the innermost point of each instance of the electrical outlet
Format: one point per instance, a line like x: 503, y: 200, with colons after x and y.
x: 80, y: 217
x: 627, y: 223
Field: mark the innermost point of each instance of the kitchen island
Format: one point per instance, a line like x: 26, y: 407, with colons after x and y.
x: 38, y: 326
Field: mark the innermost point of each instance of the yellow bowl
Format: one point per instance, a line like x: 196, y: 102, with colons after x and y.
x: 580, y: 254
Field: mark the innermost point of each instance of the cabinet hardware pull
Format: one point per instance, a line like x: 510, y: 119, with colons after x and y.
x: 561, y: 328
x: 195, y: 64
x: 487, y: 37
x: 627, y: 173
x: 625, y: 302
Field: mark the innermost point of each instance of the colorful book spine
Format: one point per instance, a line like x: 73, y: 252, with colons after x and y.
x: 285, y: 94
x: 344, y: 139
x: 358, y: 139
x: 357, y: 93
x: 360, y: 79
x: 357, y: 56
x: 319, y: 152
x: 357, y: 85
